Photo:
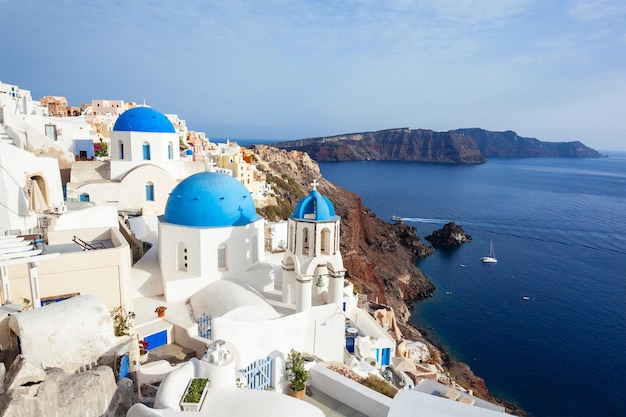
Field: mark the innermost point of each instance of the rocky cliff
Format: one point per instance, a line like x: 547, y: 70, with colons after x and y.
x: 394, y: 145
x: 468, y: 146
x: 509, y: 145
x: 378, y: 256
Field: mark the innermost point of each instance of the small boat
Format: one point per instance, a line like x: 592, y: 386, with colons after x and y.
x: 525, y: 298
x: 491, y: 259
x: 396, y: 218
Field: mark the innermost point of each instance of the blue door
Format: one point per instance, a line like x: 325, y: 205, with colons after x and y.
x: 350, y: 344
x: 156, y: 340
x: 384, y: 360
x: 124, y: 369
x: 146, y: 151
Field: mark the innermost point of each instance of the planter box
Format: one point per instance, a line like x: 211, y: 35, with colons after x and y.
x: 194, y: 384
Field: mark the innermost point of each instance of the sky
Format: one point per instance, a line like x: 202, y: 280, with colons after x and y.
x: 275, y: 69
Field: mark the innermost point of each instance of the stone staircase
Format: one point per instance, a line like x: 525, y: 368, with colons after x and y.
x: 4, y: 136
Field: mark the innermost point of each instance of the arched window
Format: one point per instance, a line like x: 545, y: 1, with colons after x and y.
x: 149, y: 191
x: 84, y: 197
x: 221, y: 258
x: 325, y: 243
x: 305, y: 241
x: 121, y: 147
x: 146, y: 151
x: 170, y: 151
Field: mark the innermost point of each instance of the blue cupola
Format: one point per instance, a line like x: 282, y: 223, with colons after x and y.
x: 143, y: 119
x: 314, y: 207
x: 210, y: 199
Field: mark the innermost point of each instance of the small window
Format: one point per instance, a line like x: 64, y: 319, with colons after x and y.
x: 146, y: 151
x: 149, y: 192
x: 221, y: 258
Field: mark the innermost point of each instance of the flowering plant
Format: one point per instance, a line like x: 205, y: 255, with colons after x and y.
x: 143, y: 347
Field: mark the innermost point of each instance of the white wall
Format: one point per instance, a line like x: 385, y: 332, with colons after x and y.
x: 16, y: 168
x: 202, y: 255
x: 318, y: 331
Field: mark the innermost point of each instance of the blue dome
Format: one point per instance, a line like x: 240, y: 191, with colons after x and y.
x: 314, y: 207
x: 143, y: 119
x: 210, y: 199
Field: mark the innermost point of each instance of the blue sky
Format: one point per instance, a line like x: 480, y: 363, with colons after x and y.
x: 554, y: 70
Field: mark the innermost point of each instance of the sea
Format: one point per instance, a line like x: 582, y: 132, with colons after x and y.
x: 545, y: 326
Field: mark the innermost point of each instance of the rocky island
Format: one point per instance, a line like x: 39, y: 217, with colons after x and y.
x: 462, y: 146
x: 450, y: 234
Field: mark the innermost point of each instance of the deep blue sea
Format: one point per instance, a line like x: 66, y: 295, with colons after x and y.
x: 558, y: 228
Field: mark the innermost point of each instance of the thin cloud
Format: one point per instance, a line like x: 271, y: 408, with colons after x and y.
x: 598, y: 9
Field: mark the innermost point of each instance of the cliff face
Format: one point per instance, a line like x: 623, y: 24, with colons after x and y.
x: 509, y: 145
x: 466, y: 146
x: 378, y: 256
x: 393, y: 145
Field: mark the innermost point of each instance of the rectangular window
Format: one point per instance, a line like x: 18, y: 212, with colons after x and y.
x: 51, y: 132
x: 221, y: 257
x: 149, y: 192
x: 146, y: 151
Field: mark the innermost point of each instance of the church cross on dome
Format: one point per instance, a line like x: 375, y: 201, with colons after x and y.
x: 314, y: 184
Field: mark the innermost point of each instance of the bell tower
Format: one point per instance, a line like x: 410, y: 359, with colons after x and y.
x: 313, y: 272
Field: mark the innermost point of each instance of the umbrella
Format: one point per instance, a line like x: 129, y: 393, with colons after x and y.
x: 404, y: 364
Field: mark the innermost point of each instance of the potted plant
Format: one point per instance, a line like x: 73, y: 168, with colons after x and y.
x: 143, y: 351
x: 160, y: 310
x: 297, y: 375
x: 194, y: 394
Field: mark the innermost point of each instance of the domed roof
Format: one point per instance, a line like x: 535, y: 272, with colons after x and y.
x: 210, y: 199
x: 314, y: 207
x: 143, y: 119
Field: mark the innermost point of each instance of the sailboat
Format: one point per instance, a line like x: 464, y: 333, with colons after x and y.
x: 491, y: 259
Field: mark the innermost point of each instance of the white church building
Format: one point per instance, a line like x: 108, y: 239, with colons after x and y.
x: 145, y: 165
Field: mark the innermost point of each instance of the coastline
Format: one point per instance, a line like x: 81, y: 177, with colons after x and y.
x: 378, y: 256
x: 465, y: 376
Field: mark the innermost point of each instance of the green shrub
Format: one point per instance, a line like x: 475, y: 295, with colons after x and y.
x: 195, y: 390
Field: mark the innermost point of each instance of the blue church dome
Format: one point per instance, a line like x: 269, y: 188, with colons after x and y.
x: 143, y: 119
x: 210, y: 199
x: 314, y: 207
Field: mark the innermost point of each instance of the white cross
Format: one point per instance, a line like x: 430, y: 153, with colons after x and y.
x: 314, y: 184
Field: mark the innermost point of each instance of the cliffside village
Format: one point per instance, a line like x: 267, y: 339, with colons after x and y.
x: 133, y: 263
